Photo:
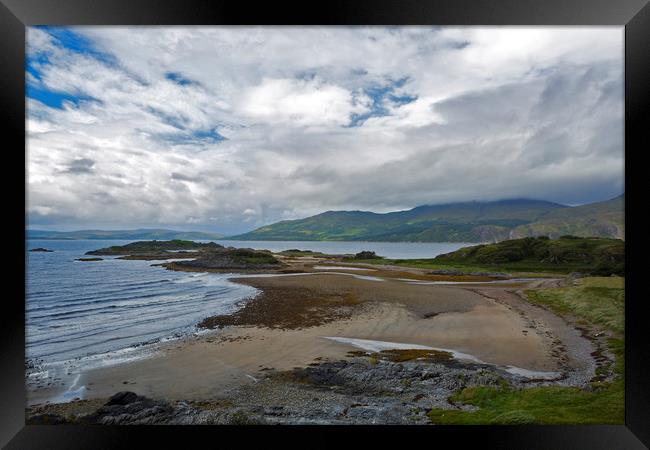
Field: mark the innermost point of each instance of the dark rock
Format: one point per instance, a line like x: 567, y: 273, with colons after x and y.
x: 46, y: 419
x: 41, y: 249
x: 124, y: 398
x: 365, y: 255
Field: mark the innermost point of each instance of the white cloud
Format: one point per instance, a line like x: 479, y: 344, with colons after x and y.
x: 299, y: 102
x: 318, y: 118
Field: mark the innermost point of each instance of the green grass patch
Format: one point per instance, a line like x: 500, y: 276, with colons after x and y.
x: 433, y: 264
x: 595, y: 256
x: 597, y: 301
x: 297, y: 252
x: 248, y: 256
x: 540, y: 405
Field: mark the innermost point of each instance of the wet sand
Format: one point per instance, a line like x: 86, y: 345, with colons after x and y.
x: 487, y: 321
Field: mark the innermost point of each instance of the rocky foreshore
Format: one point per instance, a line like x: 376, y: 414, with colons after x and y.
x: 365, y: 388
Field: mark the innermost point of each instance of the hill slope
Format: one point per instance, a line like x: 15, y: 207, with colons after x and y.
x: 596, y: 256
x: 454, y: 222
x: 139, y: 234
x: 604, y: 219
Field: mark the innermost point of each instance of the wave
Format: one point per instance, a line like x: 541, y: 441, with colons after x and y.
x: 92, y: 310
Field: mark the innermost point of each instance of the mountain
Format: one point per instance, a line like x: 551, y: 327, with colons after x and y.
x: 454, y: 222
x: 605, y: 219
x: 139, y: 234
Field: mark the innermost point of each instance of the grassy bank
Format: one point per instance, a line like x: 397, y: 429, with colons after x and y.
x: 595, y: 256
x: 598, y: 300
x: 434, y: 264
x: 595, y: 302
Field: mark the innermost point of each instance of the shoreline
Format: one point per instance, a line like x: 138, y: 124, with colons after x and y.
x: 62, y: 379
x: 330, y: 342
x: 242, y: 351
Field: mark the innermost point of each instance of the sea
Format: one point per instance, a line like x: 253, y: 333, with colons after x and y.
x: 83, y: 315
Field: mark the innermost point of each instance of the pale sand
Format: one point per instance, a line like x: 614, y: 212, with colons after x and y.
x: 489, y: 322
x: 208, y: 367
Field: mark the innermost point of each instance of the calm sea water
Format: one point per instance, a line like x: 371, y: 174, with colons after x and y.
x: 394, y: 250
x: 88, y: 314
x: 79, y: 309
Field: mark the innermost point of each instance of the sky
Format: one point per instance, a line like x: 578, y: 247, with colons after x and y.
x: 226, y: 129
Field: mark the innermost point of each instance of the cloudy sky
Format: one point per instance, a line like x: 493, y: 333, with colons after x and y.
x: 230, y: 128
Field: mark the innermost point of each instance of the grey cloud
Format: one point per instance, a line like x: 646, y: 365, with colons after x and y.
x: 547, y: 125
x: 182, y: 177
x: 80, y: 166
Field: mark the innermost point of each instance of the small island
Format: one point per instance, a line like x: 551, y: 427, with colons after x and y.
x: 194, y: 256
x: 89, y: 259
x: 41, y: 249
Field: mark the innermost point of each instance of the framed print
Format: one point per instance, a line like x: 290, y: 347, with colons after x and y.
x: 372, y: 218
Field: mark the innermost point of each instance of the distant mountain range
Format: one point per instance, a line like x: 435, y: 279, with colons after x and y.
x: 139, y: 234
x: 454, y: 222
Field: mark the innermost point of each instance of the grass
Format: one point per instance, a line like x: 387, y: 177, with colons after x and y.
x: 596, y: 256
x: 598, y: 301
x: 153, y: 246
x: 433, y: 264
x: 254, y: 257
x: 540, y: 405
x: 296, y: 252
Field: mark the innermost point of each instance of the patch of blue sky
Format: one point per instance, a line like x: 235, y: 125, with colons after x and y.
x: 192, y: 137
x: 180, y: 79
x: 381, y: 97
x: 76, y: 42
x: 402, y: 99
x: 36, y: 62
x: 55, y: 99
x: 178, y: 122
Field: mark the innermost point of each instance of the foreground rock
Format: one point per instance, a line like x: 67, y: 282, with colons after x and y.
x: 391, y: 387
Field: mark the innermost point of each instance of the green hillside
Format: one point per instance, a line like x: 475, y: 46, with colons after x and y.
x: 455, y: 222
x: 595, y: 219
x: 139, y: 234
x: 596, y: 256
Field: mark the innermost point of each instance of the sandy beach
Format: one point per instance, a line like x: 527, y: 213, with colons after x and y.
x: 290, y: 325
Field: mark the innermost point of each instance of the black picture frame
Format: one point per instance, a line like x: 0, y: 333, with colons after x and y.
x: 15, y: 15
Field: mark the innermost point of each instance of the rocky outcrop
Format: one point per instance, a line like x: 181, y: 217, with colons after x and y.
x: 198, y: 256
x: 230, y: 259
x: 366, y: 388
